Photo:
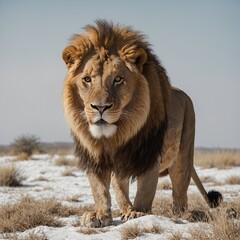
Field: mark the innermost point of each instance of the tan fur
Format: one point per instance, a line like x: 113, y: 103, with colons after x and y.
x: 132, y: 87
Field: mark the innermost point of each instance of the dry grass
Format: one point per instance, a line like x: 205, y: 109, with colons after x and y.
x: 217, y: 158
x: 40, y: 179
x: 31, y: 236
x: 73, y: 199
x: 177, y: 236
x: 135, y: 231
x: 36, y: 236
x: 10, y: 176
x: 225, y: 228
x: 207, y: 179
x: 68, y: 172
x: 197, y: 208
x: 88, y: 231
x: 162, y: 206
x: 224, y: 221
x: 29, y: 213
x: 164, y: 185
x: 64, y: 161
x: 58, y: 148
x: 22, y: 156
x: 234, y: 180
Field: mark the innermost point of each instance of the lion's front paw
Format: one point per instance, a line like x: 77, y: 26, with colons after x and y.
x: 131, y: 214
x: 96, y: 220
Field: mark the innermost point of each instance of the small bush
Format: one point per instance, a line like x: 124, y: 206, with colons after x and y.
x: 29, y: 213
x: 10, y: 176
x: 88, y: 231
x: 234, y: 180
x: 36, y: 236
x: 22, y: 156
x: 40, y: 179
x: 26, y: 144
x: 164, y: 185
x: 162, y: 206
x: 207, y: 179
x: 33, y: 235
x: 73, y: 199
x: 64, y: 161
x: 177, y: 236
x: 68, y: 172
x: 222, y: 224
x: 135, y: 231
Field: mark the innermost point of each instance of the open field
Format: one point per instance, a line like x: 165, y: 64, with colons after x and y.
x: 50, y: 194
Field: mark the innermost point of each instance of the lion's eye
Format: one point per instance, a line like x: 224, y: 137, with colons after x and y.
x: 118, y: 79
x: 87, y: 79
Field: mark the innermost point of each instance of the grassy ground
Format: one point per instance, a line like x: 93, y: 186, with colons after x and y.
x: 27, y: 212
x: 220, y: 159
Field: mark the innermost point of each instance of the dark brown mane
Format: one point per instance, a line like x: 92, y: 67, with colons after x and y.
x: 141, y: 153
x: 133, y: 159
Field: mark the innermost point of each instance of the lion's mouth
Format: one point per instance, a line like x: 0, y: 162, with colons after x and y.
x: 101, y: 122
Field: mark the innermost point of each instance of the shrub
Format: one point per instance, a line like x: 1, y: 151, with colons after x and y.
x: 26, y: 144
x: 64, y: 161
x: 68, y: 172
x: 28, y: 213
x: 164, y: 185
x: 134, y: 231
x: 30, y: 236
x: 88, y: 231
x: 223, y: 224
x: 233, y: 180
x: 22, y: 156
x: 10, y: 176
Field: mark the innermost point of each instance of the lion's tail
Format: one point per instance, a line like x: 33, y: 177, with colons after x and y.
x: 213, y: 198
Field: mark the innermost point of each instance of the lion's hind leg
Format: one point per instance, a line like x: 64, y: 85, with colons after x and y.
x: 146, y: 188
x: 121, y: 188
x: 180, y: 178
x: 180, y: 171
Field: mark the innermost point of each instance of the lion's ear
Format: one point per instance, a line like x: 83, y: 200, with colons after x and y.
x: 69, y: 55
x: 135, y: 56
x: 140, y: 58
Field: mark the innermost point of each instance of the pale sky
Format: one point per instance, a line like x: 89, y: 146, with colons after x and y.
x: 198, y: 42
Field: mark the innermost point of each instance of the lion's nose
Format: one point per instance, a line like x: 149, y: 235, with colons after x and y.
x: 101, y: 109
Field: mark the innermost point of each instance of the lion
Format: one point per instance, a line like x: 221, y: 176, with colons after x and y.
x: 127, y: 122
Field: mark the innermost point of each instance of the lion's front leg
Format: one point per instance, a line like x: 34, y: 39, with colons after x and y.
x: 101, y: 217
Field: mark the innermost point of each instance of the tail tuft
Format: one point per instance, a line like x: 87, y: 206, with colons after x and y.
x: 214, y: 198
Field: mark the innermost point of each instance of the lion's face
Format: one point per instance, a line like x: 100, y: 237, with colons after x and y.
x: 106, y: 94
x: 106, y: 88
